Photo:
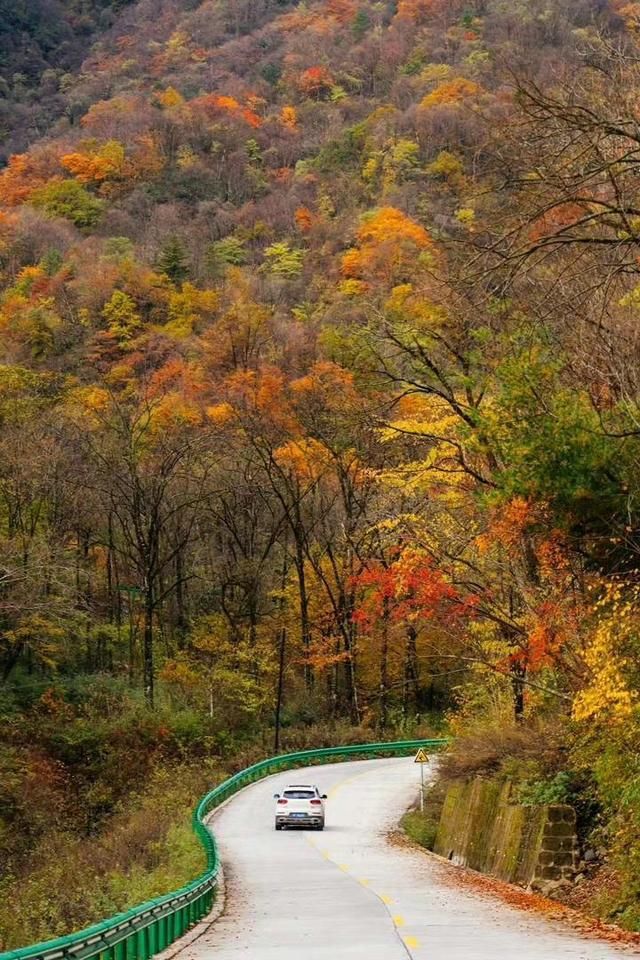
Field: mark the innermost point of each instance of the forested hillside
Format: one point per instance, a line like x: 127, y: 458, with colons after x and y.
x: 42, y: 43
x: 319, y: 405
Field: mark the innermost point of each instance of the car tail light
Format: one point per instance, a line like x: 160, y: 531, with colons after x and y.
x: 283, y: 801
x: 316, y: 803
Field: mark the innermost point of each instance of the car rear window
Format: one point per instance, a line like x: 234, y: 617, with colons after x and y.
x: 299, y: 794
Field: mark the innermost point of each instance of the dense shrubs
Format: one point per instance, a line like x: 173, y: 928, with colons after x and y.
x: 145, y: 849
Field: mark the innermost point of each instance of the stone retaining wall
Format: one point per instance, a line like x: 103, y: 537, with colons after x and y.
x: 479, y: 827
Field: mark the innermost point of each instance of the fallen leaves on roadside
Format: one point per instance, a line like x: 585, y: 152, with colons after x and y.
x: 521, y: 899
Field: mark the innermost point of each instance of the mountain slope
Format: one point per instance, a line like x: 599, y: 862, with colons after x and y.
x: 42, y: 43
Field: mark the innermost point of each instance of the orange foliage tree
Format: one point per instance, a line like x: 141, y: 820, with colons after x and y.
x: 451, y: 92
x: 315, y: 82
x: 215, y: 105
x: 304, y: 219
x: 387, y: 244
x: 419, y: 11
x: 94, y: 163
x: 397, y: 602
x: 24, y: 174
x: 289, y: 117
x: 343, y: 11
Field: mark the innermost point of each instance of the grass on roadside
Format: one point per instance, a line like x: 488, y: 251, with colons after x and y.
x: 145, y: 850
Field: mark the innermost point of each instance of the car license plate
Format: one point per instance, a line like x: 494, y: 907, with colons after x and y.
x: 297, y: 814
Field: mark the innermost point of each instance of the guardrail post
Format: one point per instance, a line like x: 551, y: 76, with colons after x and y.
x: 119, y: 950
x: 142, y: 950
x: 162, y: 933
x: 130, y: 947
x: 152, y: 932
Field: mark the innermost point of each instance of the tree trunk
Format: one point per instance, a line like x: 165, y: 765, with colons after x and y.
x: 132, y: 647
x: 335, y: 682
x: 280, y: 692
x: 518, y: 676
x: 353, y: 699
x: 384, y: 668
x: 147, y: 649
x: 305, y: 629
x: 181, y: 616
x: 410, y: 679
x: 344, y: 615
x: 282, y: 648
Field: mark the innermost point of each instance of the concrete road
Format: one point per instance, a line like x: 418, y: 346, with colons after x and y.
x: 348, y: 893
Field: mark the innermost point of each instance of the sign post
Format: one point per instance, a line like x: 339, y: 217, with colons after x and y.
x: 421, y: 758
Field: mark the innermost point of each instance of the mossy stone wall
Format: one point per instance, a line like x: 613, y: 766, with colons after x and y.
x: 481, y: 828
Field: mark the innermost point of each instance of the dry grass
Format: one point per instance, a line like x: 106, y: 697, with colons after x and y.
x: 485, y: 750
x: 143, y: 851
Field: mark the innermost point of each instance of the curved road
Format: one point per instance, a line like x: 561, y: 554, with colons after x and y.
x: 348, y: 893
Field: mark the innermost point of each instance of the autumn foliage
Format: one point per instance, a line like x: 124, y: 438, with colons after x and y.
x: 318, y: 384
x: 387, y: 240
x: 315, y: 82
x: 409, y: 590
x: 421, y: 11
x: 451, y: 92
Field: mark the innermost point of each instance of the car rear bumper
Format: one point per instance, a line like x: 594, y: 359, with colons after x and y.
x: 307, y: 821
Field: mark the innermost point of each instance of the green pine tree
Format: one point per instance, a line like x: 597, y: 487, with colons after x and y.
x: 361, y: 24
x: 172, y: 261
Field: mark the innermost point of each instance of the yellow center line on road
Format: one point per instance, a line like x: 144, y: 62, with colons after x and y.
x: 409, y: 942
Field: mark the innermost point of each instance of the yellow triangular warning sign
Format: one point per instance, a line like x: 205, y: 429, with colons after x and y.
x: 421, y: 757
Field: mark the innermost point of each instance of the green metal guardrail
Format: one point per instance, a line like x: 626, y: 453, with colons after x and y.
x: 147, y: 929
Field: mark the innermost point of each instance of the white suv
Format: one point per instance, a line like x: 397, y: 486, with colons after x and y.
x: 300, y: 805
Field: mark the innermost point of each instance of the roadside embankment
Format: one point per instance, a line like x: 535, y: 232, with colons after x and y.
x: 476, y: 823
